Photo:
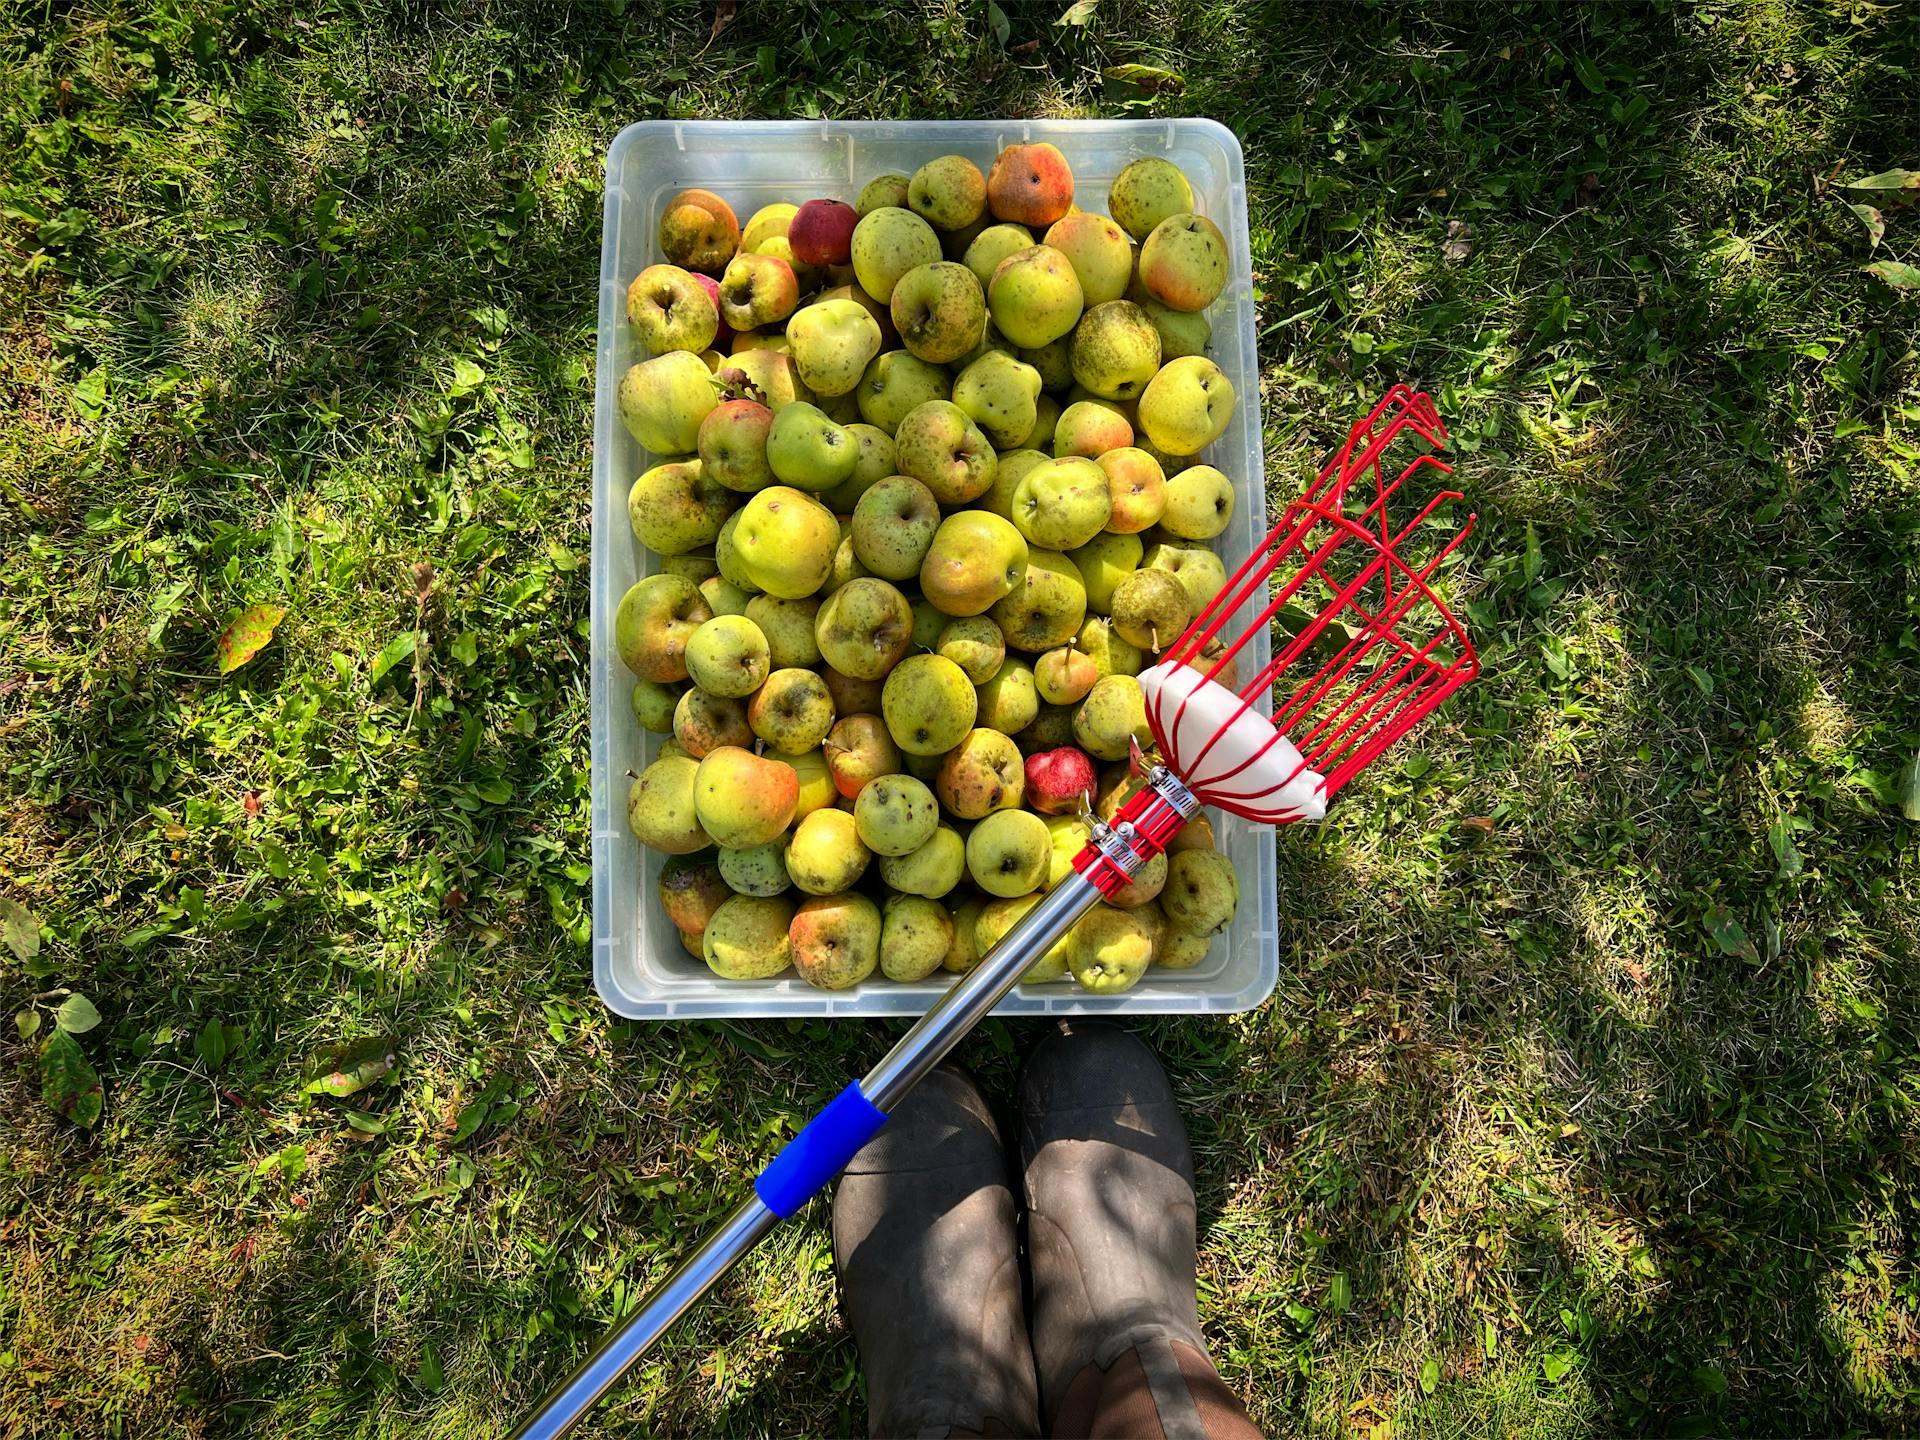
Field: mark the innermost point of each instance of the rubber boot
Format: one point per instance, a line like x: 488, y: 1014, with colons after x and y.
x: 927, y: 1253
x: 1111, y: 1244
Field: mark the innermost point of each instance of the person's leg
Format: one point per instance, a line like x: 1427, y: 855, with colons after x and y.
x: 1110, y: 1238
x: 927, y: 1254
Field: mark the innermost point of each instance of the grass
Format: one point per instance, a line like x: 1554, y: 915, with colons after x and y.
x: 1588, y: 1100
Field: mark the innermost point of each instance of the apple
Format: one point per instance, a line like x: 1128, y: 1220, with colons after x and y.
x: 1181, y: 332
x: 1051, y: 728
x: 1147, y: 882
x: 1046, y: 418
x: 1064, y: 675
x: 1202, y: 892
x: 1146, y: 192
x: 997, y: 919
x: 895, y: 385
x: 817, y: 790
x: 663, y: 400
x: 703, y: 722
x: 670, y: 310
x: 836, y: 940
x: 1151, y: 608
x: 727, y: 656
x: 723, y: 596
x: 765, y: 374
x: 690, y: 891
x: 1012, y: 468
x: 1199, y: 503
x: 973, y: 642
x: 1110, y: 950
x: 981, y: 774
x: 1200, y: 572
x: 807, y: 450
x: 760, y: 872
x: 939, y: 311
x: 915, y: 935
x: 864, y: 628
x: 887, y: 243
x: 939, y: 445
x: 699, y: 231
x: 883, y: 192
x: 1185, y: 407
x: 1137, y: 487
x: 1090, y: 428
x: 792, y: 711
x: 1030, y: 184
x: 976, y: 558
x: 1111, y: 655
x: 1113, y: 714
x: 785, y: 541
x: 747, y: 937
x: 1007, y: 853
x: 1116, y: 350
x: 806, y: 278
x: 767, y: 222
x: 929, y: 704
x: 831, y: 342
x: 653, y: 705
x: 825, y: 855
x: 655, y: 619
x: 1046, y: 608
x: 894, y: 525
x: 1054, y: 361
x: 874, y: 464
x: 949, y: 193
x: 1000, y: 395
x: 859, y: 750
x: 895, y: 815
x: 881, y: 313
x: 852, y: 696
x: 732, y: 444
x: 695, y: 565
x: 1099, y: 251
x: 928, y: 621
x: 1178, y: 950
x: 743, y: 800
x: 661, y: 810
x: 992, y: 245
x: 1059, y: 781
x: 1062, y: 504
x: 675, y: 507
x: 1183, y: 263
x: 1103, y: 562
x: 1034, y: 296
x: 932, y: 870
x: 757, y: 290
x: 821, y: 232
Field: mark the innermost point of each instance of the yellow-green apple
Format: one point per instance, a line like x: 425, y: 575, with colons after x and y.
x: 1138, y: 488
x: 997, y: 917
x: 1046, y: 415
x: 1116, y: 350
x: 1067, y: 836
x: 661, y: 810
x: 963, y: 954
x: 975, y: 559
x: 817, y: 790
x: 670, y: 310
x: 981, y: 774
x: 747, y: 938
x: 1185, y: 408
x: 881, y: 313
x: 932, y: 870
x: 1051, y: 728
x: 1113, y: 713
x: 874, y: 464
x: 792, y: 712
x: 690, y: 891
x: 747, y: 340
x: 1147, y: 882
x: 1064, y: 675
x: 864, y: 628
x: 699, y: 231
x: 1183, y: 263
x: 1054, y: 361
x: 938, y: 311
x: 769, y: 373
x: 722, y: 332
x: 807, y: 450
x: 1201, y: 892
x: 974, y: 643
x: 761, y: 871
x: 915, y: 935
x: 1111, y: 655
x: 1034, y: 296
x: 1201, y: 573
x: 732, y: 444
x: 851, y: 696
x: 846, y: 564
x: 663, y: 400
x: 893, y: 527
x: 742, y: 799
x: 1196, y: 834
x: 1000, y: 395
x: 757, y: 290
x: 831, y: 342
x: 785, y: 541
x: 1091, y: 428
x: 1099, y: 251
x: 1199, y: 503
x: 1150, y: 609
x: 1059, y: 781
x: 895, y: 815
x: 955, y: 243
x: 1007, y: 853
x: 806, y: 278
x: 767, y: 221
x: 1178, y: 950
x: 788, y: 626
x: 1110, y: 950
x: 1008, y: 472
x: 1103, y: 562
x: 991, y: 246
x: 726, y: 557
x: 895, y: 385
x: 881, y: 193
x: 928, y: 621
x: 821, y: 232
x: 1046, y: 608
x: 929, y: 704
x: 939, y: 445
x: 1182, y: 332
x: 948, y: 192
x: 653, y: 705
x: 695, y: 565
x: 825, y: 854
x: 836, y: 940
x: 1008, y: 699
x: 723, y: 596
x: 1147, y: 192
x: 1030, y: 184
x: 859, y: 750
x: 887, y: 243
x: 656, y: 618
x: 677, y: 507
x: 1062, y: 504
x: 703, y: 723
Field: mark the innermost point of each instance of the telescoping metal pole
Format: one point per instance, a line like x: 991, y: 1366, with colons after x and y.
x: 821, y: 1151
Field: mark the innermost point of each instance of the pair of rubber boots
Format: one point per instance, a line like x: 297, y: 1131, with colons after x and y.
x: 927, y: 1245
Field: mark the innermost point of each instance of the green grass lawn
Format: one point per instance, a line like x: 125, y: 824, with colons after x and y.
x: 1589, y: 1102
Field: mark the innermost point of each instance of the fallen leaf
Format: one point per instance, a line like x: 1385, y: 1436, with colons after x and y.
x: 1874, y: 221
x: 1079, y: 13
x: 399, y: 648
x: 1459, y: 246
x: 351, y: 1068
x: 68, y: 1082
x: 1910, y: 788
x: 21, y: 929
x: 1728, y: 933
x: 76, y: 1015
x: 1889, y: 187
x: 1636, y: 972
x: 254, y: 801
x: 724, y: 12
x: 247, y: 636
x: 1150, y: 78
x: 1478, y: 826
x: 1897, y: 273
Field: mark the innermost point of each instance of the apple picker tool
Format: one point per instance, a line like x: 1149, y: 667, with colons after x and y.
x: 1363, y: 650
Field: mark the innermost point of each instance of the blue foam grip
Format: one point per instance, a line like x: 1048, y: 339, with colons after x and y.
x: 819, y: 1152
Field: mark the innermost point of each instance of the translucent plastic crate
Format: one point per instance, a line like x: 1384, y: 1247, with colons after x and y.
x: 639, y: 966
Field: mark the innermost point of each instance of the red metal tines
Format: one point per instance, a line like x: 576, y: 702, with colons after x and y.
x: 1331, y: 580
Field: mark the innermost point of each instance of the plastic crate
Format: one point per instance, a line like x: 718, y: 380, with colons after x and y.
x: 639, y: 966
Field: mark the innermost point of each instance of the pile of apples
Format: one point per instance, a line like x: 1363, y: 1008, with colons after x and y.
x: 924, y: 531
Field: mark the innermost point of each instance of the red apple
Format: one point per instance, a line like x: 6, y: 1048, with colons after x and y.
x: 725, y: 332
x: 1056, y: 779
x: 821, y: 232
